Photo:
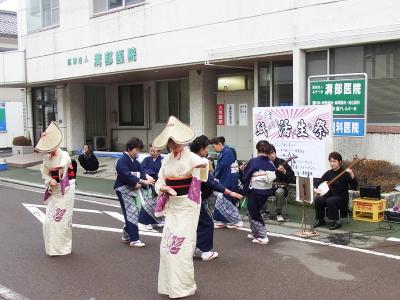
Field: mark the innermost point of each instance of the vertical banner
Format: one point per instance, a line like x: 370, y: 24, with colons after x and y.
x: 220, y: 114
x: 3, y: 126
x: 230, y: 114
x: 243, y: 114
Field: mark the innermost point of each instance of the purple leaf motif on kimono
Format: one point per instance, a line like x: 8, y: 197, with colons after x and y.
x: 172, y: 243
x: 194, y: 190
x: 58, y: 214
x: 176, y: 244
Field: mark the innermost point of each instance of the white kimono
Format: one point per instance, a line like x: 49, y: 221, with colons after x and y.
x: 176, y: 272
x: 57, y: 227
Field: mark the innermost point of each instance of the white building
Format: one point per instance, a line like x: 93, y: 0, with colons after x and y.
x: 119, y: 68
x: 12, y: 100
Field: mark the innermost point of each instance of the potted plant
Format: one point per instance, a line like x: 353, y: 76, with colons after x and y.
x: 21, y: 145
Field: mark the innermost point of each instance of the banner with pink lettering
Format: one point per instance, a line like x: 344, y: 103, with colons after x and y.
x: 303, y: 131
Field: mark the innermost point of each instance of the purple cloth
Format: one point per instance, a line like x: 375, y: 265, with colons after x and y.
x: 161, y: 201
x: 64, y: 183
x: 194, y: 190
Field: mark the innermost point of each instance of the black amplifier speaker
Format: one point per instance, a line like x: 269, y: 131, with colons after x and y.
x: 372, y: 192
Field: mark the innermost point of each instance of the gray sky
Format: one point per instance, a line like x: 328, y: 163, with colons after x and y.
x: 8, y: 5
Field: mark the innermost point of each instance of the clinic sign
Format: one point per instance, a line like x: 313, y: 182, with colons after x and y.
x: 3, y: 127
x: 105, y: 59
x: 348, y: 99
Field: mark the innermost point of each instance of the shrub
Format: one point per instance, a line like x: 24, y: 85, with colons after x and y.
x: 21, y: 141
x: 377, y: 172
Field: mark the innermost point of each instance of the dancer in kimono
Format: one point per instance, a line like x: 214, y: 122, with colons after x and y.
x: 259, y: 175
x: 179, y: 185
x: 150, y: 167
x: 226, y: 212
x: 127, y: 187
x: 58, y: 175
x: 205, y: 228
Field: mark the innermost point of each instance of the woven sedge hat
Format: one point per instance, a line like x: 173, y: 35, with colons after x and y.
x: 175, y: 130
x: 50, y: 139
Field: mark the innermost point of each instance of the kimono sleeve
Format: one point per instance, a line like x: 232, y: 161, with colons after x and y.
x: 45, y: 173
x: 199, y: 173
x: 214, y: 183
x: 248, y: 171
x: 161, y: 180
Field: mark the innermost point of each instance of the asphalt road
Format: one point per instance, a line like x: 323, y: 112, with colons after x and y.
x: 102, y: 267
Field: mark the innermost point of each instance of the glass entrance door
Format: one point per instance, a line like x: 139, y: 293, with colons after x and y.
x: 44, y: 102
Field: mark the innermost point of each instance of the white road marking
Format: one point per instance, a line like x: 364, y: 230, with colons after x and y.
x: 115, y: 215
x: 6, y: 293
x: 79, y: 199
x: 120, y: 217
x: 393, y: 239
x: 36, y: 212
x: 33, y: 208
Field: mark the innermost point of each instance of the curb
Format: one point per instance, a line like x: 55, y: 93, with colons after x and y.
x: 41, y: 186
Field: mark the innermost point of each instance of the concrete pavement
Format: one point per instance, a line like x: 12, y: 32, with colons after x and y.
x: 102, y: 267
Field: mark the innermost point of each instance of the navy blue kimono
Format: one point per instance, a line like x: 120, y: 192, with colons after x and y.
x: 227, y: 172
x: 205, y: 228
x: 146, y: 215
x: 124, y: 188
x: 151, y: 166
x: 257, y: 197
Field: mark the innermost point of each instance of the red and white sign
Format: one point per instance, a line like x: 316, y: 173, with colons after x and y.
x: 220, y: 114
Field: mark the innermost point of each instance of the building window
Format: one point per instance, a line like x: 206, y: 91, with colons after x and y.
x: 173, y: 99
x: 42, y: 14
x: 283, y: 83
x: 131, y: 105
x: 234, y: 83
x: 316, y: 64
x: 44, y: 108
x: 382, y: 64
x: 264, y: 84
x: 101, y: 6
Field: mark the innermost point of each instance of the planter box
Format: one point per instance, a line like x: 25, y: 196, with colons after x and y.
x: 19, y: 150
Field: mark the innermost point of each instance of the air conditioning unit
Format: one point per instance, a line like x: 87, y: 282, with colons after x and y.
x: 100, y: 143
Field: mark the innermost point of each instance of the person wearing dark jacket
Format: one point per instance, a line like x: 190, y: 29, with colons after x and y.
x: 127, y: 186
x: 226, y: 212
x: 151, y: 165
x: 88, y: 160
x: 284, y: 176
x: 337, y: 198
x: 258, y: 176
x: 205, y: 228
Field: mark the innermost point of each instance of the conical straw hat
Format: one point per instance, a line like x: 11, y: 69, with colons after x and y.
x: 50, y: 139
x: 175, y: 130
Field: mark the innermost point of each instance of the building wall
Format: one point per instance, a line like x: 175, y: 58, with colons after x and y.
x: 280, y: 26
